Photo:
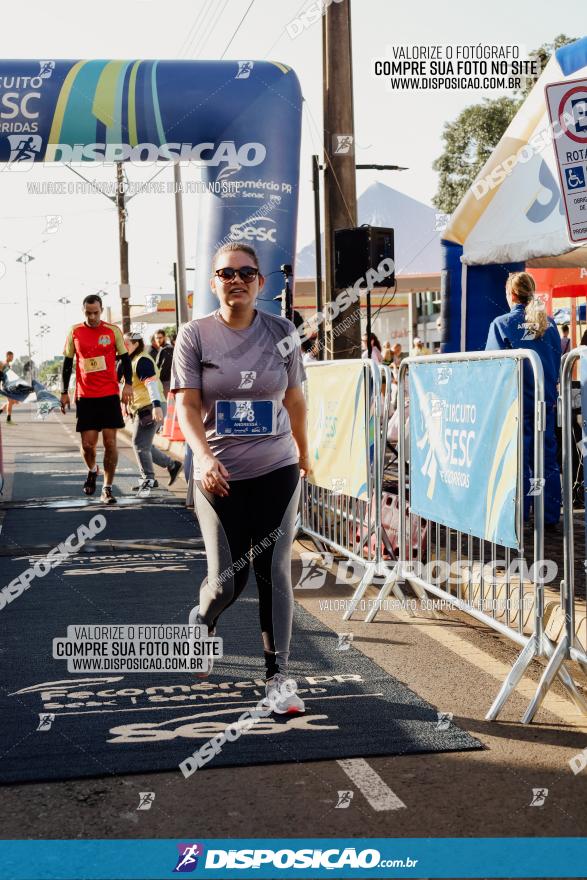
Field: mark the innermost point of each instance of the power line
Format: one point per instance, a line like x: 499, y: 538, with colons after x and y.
x: 191, y: 33
x: 198, y: 46
x: 281, y: 32
x: 196, y: 42
x: 331, y: 168
x: 237, y: 29
x: 92, y: 183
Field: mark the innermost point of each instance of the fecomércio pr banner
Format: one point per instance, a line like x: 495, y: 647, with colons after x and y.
x: 463, y: 446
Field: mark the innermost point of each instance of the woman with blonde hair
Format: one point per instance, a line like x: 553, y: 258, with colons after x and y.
x: 527, y: 325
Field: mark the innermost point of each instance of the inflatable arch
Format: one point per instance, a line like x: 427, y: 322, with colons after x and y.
x: 241, y: 119
x: 511, y: 218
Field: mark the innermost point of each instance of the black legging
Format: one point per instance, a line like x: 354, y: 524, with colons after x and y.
x: 257, y: 515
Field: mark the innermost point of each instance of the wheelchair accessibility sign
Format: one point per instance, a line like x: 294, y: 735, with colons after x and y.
x: 575, y: 177
x: 567, y: 110
x: 244, y: 418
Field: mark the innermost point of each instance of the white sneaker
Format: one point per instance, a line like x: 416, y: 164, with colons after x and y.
x: 145, y: 488
x: 140, y: 485
x: 193, y: 621
x: 281, y: 695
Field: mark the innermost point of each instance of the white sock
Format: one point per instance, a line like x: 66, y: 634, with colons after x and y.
x: 94, y: 469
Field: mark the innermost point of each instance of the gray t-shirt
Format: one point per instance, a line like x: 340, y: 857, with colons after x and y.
x: 241, y: 365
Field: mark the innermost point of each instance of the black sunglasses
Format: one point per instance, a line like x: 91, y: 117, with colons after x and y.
x: 246, y: 273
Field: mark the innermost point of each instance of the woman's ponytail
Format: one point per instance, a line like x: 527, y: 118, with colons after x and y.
x: 522, y: 285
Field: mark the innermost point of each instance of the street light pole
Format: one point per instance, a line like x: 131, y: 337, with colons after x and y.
x: 64, y: 302
x: 25, y: 259
x: 123, y: 244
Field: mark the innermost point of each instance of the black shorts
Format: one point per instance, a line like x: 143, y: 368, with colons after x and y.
x: 97, y: 413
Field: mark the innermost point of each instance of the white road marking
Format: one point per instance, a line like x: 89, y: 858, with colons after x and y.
x: 370, y: 784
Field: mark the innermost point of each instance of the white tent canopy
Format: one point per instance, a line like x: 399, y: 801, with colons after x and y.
x: 514, y: 210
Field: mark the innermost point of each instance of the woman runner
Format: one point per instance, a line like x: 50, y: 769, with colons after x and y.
x: 242, y: 410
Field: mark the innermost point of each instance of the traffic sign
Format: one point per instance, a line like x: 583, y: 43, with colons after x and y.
x: 567, y: 109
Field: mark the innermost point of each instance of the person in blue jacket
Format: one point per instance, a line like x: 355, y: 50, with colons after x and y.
x: 527, y: 325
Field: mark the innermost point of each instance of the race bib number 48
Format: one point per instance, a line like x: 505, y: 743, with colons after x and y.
x: 244, y: 418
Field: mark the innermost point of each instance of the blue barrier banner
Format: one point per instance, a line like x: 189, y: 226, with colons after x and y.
x: 583, y: 379
x: 294, y: 857
x: 463, y: 446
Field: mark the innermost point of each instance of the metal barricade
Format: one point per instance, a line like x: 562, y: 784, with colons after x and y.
x: 349, y: 526
x: 510, y: 605
x: 570, y: 646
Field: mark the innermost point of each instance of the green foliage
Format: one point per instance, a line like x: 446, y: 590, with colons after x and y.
x: 543, y: 53
x: 50, y: 371
x: 20, y: 365
x: 468, y: 144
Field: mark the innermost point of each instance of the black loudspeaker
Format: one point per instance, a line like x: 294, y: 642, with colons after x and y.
x: 359, y: 249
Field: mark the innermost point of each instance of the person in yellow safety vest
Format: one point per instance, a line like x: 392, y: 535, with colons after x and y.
x: 147, y: 411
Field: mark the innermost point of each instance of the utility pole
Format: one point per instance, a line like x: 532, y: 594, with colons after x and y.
x: 318, y: 238
x: 340, y: 192
x: 182, y: 315
x: 123, y: 243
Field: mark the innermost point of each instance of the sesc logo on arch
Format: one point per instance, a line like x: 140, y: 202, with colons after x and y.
x: 254, y: 229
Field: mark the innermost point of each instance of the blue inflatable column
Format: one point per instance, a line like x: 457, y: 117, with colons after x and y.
x: 472, y: 296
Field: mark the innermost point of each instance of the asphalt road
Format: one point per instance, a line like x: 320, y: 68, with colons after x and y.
x: 452, y: 662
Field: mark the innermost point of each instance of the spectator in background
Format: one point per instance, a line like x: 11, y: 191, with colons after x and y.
x: 565, y: 341
x: 164, y: 359
x: 4, y: 367
x: 375, y: 348
x: 153, y: 348
x: 310, y: 351
x: 419, y: 348
x: 387, y: 354
x: 147, y: 410
x: 172, y: 337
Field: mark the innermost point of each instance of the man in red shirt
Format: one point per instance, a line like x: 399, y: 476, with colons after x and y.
x: 95, y: 346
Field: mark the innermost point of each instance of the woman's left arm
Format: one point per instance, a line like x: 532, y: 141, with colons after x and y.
x: 295, y: 404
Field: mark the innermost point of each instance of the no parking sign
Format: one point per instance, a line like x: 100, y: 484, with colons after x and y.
x: 567, y: 108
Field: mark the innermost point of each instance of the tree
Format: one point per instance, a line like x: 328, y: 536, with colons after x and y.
x: 543, y: 54
x: 471, y: 138
x: 20, y: 365
x: 50, y: 371
x: 468, y: 144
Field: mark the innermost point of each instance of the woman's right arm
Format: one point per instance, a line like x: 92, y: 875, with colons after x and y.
x: 186, y: 384
x: 188, y: 404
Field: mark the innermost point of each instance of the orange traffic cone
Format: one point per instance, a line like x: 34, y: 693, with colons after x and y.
x: 168, y: 421
x: 171, y: 429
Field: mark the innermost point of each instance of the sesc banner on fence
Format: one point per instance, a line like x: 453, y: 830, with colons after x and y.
x: 582, y: 454
x: 338, y: 427
x: 463, y: 446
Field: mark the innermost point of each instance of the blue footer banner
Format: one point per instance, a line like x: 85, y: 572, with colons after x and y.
x: 463, y: 445
x: 293, y: 857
